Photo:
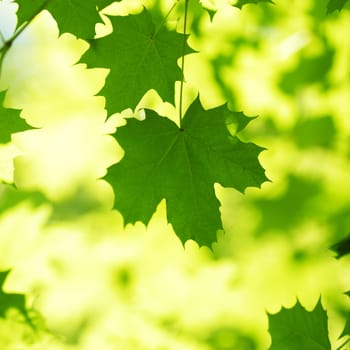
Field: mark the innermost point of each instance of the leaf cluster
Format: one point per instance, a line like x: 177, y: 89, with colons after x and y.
x: 179, y: 162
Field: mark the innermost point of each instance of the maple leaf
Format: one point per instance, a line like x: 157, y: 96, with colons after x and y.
x: 12, y: 300
x: 335, y: 5
x: 10, y: 121
x: 297, y: 328
x: 74, y: 16
x: 241, y: 3
x: 140, y: 58
x: 182, y: 165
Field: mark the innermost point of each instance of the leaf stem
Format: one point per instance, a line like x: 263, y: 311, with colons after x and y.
x: 166, y: 17
x: 8, y: 43
x: 183, y: 63
x: 3, y: 40
x: 30, y: 20
x: 344, y: 343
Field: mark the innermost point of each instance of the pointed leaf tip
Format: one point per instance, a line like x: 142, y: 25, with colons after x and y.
x: 297, y: 328
x: 10, y: 121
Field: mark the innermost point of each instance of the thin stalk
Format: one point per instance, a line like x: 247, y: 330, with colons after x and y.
x: 342, y: 345
x: 3, y: 40
x: 8, y: 43
x: 183, y: 63
x: 3, y: 49
x: 21, y: 29
x: 166, y: 17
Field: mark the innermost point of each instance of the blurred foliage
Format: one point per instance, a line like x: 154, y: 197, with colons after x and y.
x: 334, y: 5
x: 316, y: 132
x: 8, y: 301
x: 342, y: 247
x: 11, y: 197
x: 226, y: 338
x: 100, y: 285
x: 290, y: 208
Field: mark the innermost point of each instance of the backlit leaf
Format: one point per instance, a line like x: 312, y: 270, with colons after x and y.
x: 182, y: 165
x: 297, y: 328
x: 140, y: 58
x: 74, y: 16
x: 342, y: 247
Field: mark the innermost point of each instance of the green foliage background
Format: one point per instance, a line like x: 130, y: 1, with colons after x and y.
x: 93, y: 283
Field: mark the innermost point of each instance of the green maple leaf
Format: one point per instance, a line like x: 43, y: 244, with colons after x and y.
x: 335, y: 5
x: 78, y: 17
x: 297, y: 328
x: 182, y: 165
x: 140, y: 58
x: 10, y: 121
x: 11, y: 300
x: 241, y: 3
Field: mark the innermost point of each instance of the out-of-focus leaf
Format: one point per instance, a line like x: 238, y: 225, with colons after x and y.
x: 342, y: 247
x: 241, y: 3
x: 335, y: 5
x: 11, y: 300
x: 340, y: 223
x: 80, y: 203
x: 315, y: 132
x: 229, y: 339
x: 309, y: 70
x: 10, y: 197
x: 288, y: 208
